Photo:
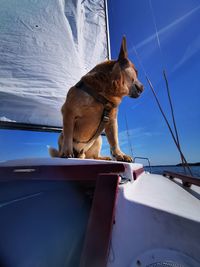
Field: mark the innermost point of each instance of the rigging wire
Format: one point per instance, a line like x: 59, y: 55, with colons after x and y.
x: 140, y: 61
x: 160, y: 107
x: 184, y: 162
x: 169, y: 127
x: 174, y: 122
x: 161, y: 110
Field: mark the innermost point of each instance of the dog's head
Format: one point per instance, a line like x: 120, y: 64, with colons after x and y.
x: 128, y: 73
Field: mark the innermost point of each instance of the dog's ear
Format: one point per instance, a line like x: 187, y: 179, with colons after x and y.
x: 123, y: 54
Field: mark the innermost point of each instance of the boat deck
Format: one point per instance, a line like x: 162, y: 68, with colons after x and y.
x: 58, y: 212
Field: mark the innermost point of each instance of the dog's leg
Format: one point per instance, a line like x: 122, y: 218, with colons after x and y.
x: 68, y: 129
x: 94, y: 151
x: 112, y: 136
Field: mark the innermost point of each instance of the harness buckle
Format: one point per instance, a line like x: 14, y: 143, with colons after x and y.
x: 106, y: 116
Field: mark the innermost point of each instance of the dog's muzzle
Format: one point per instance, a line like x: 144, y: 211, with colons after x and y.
x: 136, y: 89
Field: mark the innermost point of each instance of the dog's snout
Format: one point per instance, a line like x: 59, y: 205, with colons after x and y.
x: 136, y: 89
x: 139, y: 86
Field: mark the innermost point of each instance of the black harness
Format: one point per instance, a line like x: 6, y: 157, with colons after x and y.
x: 108, y: 106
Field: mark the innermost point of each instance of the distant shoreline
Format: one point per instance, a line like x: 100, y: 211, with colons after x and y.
x: 189, y: 164
x: 177, y: 165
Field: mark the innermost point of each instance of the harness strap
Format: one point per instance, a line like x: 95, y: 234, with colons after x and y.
x: 84, y: 87
x: 108, y: 105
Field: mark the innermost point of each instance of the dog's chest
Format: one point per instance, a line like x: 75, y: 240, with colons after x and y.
x: 87, y: 123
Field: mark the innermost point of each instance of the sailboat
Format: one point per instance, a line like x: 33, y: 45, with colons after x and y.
x: 79, y: 212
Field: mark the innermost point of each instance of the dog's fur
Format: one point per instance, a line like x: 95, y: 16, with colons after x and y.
x: 113, y: 79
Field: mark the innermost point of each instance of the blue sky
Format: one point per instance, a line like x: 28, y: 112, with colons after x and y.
x: 177, y: 23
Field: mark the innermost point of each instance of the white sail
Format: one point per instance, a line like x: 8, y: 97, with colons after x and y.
x: 45, y: 47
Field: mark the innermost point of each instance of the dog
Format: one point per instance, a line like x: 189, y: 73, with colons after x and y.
x: 91, y: 107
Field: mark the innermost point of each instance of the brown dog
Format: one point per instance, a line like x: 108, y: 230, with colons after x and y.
x: 91, y: 106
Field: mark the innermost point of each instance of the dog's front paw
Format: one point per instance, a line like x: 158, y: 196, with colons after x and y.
x: 119, y: 156
x: 103, y: 158
x: 127, y: 158
x: 123, y: 157
x: 66, y: 153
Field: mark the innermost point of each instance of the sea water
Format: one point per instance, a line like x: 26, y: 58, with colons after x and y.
x: 159, y: 169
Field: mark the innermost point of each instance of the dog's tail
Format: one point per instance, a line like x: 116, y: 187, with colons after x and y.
x: 54, y: 153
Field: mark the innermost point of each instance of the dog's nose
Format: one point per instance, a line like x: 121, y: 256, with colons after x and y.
x: 142, y: 87
x: 139, y: 86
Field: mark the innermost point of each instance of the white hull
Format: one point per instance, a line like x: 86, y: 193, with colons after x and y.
x: 156, y: 220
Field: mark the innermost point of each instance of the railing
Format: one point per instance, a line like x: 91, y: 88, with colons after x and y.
x: 145, y: 159
x: 186, y: 179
